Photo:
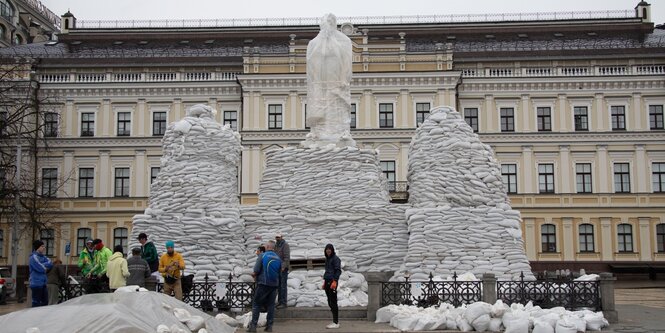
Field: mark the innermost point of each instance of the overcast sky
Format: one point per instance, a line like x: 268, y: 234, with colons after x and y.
x: 208, y: 9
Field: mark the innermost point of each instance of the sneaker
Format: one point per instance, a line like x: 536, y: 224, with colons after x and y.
x: 251, y: 329
x: 268, y: 329
x: 333, y: 325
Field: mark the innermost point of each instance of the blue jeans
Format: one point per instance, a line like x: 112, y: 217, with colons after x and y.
x: 39, y: 296
x: 281, y: 298
x: 263, y: 296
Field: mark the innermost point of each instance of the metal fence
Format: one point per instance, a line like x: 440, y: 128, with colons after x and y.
x: 431, y: 293
x: 565, y: 292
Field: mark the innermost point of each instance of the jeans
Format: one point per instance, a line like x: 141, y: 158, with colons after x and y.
x: 332, y: 301
x: 39, y: 296
x: 263, y: 296
x: 281, y: 298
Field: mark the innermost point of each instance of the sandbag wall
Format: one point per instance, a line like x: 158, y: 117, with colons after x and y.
x: 194, y: 200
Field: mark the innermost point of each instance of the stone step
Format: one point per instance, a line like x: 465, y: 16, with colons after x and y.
x: 346, y: 313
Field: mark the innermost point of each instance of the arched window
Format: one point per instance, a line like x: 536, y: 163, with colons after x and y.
x: 660, y: 237
x: 120, y: 237
x: 18, y: 40
x: 82, y: 235
x: 625, y: 237
x: 548, y: 237
x: 586, y: 237
x: 3, y: 31
x: 48, y: 237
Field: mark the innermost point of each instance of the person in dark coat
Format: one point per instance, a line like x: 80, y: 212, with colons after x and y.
x: 138, y: 269
x: 330, y: 280
x: 54, y: 279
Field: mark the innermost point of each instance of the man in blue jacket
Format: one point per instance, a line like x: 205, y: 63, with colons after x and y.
x: 39, y: 266
x: 266, y: 272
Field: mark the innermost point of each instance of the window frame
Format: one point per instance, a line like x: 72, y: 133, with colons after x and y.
x: 586, y: 179
x: 89, y: 180
x: 232, y: 121
x: 50, y: 125
x: 660, y: 238
x: 388, y: 173
x: 548, y: 242
x: 159, y: 125
x: 121, y: 239
x: 421, y: 112
x: 353, y: 116
x: 625, y: 239
x: 508, y: 182
x: 656, y: 117
x: 507, y: 119
x: 87, y: 125
x: 275, y: 116
x: 471, y: 119
x: 386, y: 117
x: 544, y: 118
x: 80, y: 240
x: 49, y: 184
x: 47, y: 236
x: 618, y: 117
x: 121, y: 183
x: 586, y: 238
x: 581, y: 119
x: 548, y: 179
x: 624, y: 178
x: 658, y: 177
x: 154, y: 176
x: 123, y: 126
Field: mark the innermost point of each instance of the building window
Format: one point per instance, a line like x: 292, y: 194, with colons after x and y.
x: 388, y: 168
x: 658, y: 177
x: 546, y: 178
x: 625, y: 236
x: 50, y: 125
x: 48, y: 237
x: 154, y: 171
x: 548, y: 237
x: 583, y: 176
x: 586, y: 237
x: 507, y: 120
x: 121, y: 182
x: 621, y: 178
x: 422, y: 110
x: 158, y: 123
x: 385, y: 115
x: 86, y: 182
x: 124, y: 123
x: 544, y: 119
x: 581, y: 118
x: 660, y: 237
x: 618, y: 118
x: 82, y: 235
x: 2, y: 243
x: 120, y: 237
x: 49, y: 182
x: 275, y: 116
x: 656, y: 117
x: 353, y: 115
x: 4, y: 123
x: 471, y: 118
x: 509, y: 175
x: 231, y: 118
x: 87, y: 124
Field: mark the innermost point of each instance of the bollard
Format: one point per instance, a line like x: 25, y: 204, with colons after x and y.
x: 607, y: 297
x: 374, y: 280
x: 489, y: 288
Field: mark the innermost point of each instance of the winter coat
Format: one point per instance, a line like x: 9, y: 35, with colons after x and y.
x: 267, y: 268
x: 333, y: 265
x: 171, y: 265
x: 117, y: 271
x: 149, y: 254
x: 100, y: 260
x: 138, y: 271
x: 284, y: 252
x: 56, y: 275
x: 39, y: 266
x: 85, y: 261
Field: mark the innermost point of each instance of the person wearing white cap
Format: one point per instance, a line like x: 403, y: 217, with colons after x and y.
x: 284, y: 252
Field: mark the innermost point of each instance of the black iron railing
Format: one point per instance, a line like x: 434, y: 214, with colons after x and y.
x: 431, y: 293
x: 570, y: 294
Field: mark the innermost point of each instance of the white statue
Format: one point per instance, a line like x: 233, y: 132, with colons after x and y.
x: 329, y: 69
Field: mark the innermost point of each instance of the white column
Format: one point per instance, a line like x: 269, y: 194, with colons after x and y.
x: 367, y: 113
x: 257, y: 115
x: 246, y: 171
x: 293, y: 114
x: 140, y: 183
x: 528, y: 185
x: 70, y: 119
x: 525, y: 117
x: 601, y: 118
x: 440, y: 97
x: 402, y: 114
x: 530, y: 238
x: 642, y: 176
x: 490, y: 115
x: 638, y: 123
x: 141, y: 114
x: 404, y: 162
x: 246, y: 112
x: 606, y: 238
x: 645, y: 239
x: 565, y: 179
x: 105, y: 176
x: 70, y: 174
x: 604, y: 181
x: 105, y: 121
x: 102, y: 232
x: 562, y: 111
x: 568, y: 239
x: 178, y: 111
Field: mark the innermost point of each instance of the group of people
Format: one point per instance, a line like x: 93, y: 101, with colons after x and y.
x: 271, y: 271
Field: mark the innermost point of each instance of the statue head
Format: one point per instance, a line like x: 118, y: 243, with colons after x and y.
x: 328, y: 23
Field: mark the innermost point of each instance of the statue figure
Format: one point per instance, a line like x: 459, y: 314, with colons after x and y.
x: 329, y: 69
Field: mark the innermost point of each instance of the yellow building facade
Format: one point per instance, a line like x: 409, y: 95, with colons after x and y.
x: 572, y: 106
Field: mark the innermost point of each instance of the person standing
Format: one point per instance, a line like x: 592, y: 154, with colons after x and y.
x: 330, y: 279
x: 39, y: 266
x: 116, y: 269
x: 170, y: 265
x: 149, y: 252
x: 266, y: 273
x: 138, y: 269
x: 54, y: 279
x: 100, y: 259
x: 85, y: 258
x: 284, y: 252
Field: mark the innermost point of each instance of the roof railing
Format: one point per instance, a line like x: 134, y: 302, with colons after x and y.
x: 314, y: 21
x: 47, y: 13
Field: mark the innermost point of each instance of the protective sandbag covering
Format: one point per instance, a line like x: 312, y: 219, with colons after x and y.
x: 194, y: 199
x: 461, y: 220
x: 117, y: 312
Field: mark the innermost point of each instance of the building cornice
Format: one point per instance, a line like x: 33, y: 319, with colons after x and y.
x: 142, y: 90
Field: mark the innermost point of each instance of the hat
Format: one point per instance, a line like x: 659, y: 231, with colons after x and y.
x: 89, y: 241
x: 279, y: 234
x: 170, y: 244
x: 37, y: 244
x: 142, y: 236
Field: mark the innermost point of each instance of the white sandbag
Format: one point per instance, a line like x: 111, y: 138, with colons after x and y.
x: 195, y: 323
x: 516, y: 321
x: 542, y: 327
x: 595, y: 321
x: 495, y: 325
x: 386, y: 313
x: 227, y: 319
x: 404, y: 322
x: 565, y: 325
x: 463, y: 325
x: 476, y: 310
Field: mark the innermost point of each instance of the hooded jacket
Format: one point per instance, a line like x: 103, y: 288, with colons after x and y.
x: 117, y: 271
x: 39, y: 265
x: 333, y: 265
x: 100, y: 260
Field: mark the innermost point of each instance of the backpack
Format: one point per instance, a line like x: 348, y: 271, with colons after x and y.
x: 271, y: 268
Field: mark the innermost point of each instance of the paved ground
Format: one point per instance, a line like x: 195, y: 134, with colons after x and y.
x: 641, y: 308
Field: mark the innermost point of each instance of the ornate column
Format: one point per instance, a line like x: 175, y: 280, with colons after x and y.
x: 530, y: 238
x: 638, y: 123
x: 562, y: 111
x: 490, y: 115
x: 526, y: 115
x: 70, y: 119
x: 565, y: 167
x: 105, y: 120
x: 568, y: 239
x: 642, y: 176
x: 104, y: 174
x: 646, y: 252
x: 600, y: 116
x: 603, y: 180
x: 68, y: 188
x: 141, y: 113
x: 606, y: 239
x: 528, y: 185
x: 140, y: 173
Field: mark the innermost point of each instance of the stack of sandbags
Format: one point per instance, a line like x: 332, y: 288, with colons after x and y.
x: 194, y: 200
x: 460, y: 220
x: 323, y: 177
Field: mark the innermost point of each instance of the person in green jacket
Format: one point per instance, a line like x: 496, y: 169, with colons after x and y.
x: 149, y: 252
x: 85, y: 258
x: 97, y: 275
